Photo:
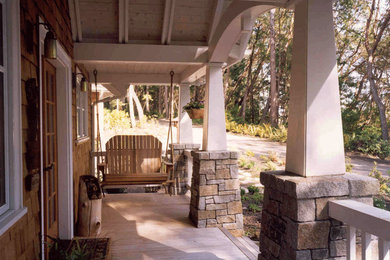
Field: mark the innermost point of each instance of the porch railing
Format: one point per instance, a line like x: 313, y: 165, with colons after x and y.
x: 370, y: 220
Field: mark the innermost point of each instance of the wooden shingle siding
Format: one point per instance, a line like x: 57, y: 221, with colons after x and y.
x: 22, y: 240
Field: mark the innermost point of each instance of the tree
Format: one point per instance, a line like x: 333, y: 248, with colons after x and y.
x: 371, y: 47
x: 273, y: 93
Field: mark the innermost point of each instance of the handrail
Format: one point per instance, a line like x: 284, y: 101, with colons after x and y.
x: 371, y: 220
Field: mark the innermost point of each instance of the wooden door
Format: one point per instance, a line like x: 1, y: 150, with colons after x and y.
x: 50, y: 171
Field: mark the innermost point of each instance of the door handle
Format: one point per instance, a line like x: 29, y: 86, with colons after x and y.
x: 48, y: 168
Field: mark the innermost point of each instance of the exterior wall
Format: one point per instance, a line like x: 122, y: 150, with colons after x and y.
x: 81, y: 148
x: 22, y: 240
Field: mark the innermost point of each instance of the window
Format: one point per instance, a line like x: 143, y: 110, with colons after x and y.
x: 11, y: 199
x: 82, y: 108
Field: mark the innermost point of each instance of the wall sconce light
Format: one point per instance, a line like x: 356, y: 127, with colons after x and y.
x: 50, y: 46
x: 83, y: 82
x: 50, y: 43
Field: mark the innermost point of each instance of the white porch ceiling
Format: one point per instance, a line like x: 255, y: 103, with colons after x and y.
x: 141, y: 41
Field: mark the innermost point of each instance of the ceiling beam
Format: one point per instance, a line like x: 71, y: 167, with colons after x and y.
x: 136, y: 79
x: 78, y: 20
x: 126, y: 10
x: 121, y: 21
x: 72, y: 19
x: 169, y: 11
x: 216, y: 17
x: 84, y: 52
x: 192, y: 74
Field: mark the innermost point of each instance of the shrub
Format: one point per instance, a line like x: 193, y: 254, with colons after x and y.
x: 245, y: 163
x: 242, y: 192
x: 263, y: 131
x: 257, y: 197
x: 380, y: 202
x: 368, y: 141
x: 254, y: 208
x: 384, y: 182
x: 116, y: 119
x: 270, y: 166
x: 253, y: 189
x: 250, y: 153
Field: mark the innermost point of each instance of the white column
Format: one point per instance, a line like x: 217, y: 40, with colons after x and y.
x: 184, y: 133
x: 315, y: 138
x: 214, y: 125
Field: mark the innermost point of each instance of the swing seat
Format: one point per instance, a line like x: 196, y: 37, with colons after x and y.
x: 133, y: 159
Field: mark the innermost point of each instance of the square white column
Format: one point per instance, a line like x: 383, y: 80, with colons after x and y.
x: 184, y: 133
x: 315, y: 136
x: 214, y: 124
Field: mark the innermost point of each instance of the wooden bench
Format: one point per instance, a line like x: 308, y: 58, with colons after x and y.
x: 133, y: 159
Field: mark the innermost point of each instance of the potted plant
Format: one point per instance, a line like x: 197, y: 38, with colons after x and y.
x: 194, y: 109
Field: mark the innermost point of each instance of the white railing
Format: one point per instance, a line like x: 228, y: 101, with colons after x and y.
x: 370, y: 220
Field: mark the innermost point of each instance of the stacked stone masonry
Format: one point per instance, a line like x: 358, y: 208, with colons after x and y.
x: 181, y: 164
x: 295, y: 222
x: 215, y: 191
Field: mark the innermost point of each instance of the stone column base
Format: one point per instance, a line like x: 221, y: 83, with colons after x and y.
x: 181, y: 163
x: 295, y: 222
x: 215, y: 191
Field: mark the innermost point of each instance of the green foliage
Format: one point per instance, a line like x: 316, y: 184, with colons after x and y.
x: 368, y: 141
x: 262, y: 131
x: 116, y: 119
x: 254, y: 208
x: 270, y: 166
x: 384, y: 182
x: 253, y: 189
x: 60, y: 249
x: 250, y: 153
x: 194, y: 104
x: 257, y: 197
x: 380, y: 202
x: 242, y: 192
x: 245, y: 163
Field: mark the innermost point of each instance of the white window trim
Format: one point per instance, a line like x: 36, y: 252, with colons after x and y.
x: 14, y: 114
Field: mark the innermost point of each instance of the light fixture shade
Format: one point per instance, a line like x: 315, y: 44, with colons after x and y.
x: 50, y: 46
x: 84, y: 85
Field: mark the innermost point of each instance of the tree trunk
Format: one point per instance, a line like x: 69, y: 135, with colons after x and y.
x: 274, y: 88
x: 137, y: 104
x: 160, y: 109
x: 131, y: 107
x: 249, y: 81
x: 369, y: 69
x: 147, y: 99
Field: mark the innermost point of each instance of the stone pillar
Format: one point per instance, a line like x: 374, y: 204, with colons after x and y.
x: 214, y: 124
x: 215, y: 191
x: 315, y: 137
x: 181, y: 163
x: 295, y: 223
x: 184, y: 133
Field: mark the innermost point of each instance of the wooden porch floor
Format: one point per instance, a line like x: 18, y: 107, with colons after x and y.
x: 156, y: 226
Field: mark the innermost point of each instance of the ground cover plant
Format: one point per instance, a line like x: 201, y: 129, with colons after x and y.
x: 252, y: 203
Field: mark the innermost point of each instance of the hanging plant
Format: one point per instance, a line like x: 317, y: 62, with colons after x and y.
x: 195, y: 109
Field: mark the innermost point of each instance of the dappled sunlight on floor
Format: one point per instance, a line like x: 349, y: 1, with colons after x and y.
x: 156, y: 226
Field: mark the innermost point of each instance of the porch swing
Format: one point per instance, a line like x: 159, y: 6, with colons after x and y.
x: 136, y: 159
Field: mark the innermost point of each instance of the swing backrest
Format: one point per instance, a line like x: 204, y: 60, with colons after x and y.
x: 133, y: 154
